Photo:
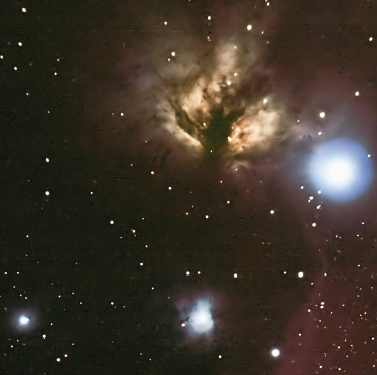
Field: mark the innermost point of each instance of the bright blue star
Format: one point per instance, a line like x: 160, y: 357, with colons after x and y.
x: 23, y: 320
x: 341, y: 169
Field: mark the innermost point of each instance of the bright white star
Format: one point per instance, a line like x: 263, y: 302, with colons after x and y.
x: 23, y: 320
x: 275, y: 352
x: 340, y: 169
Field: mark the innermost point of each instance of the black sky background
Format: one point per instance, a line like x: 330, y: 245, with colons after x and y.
x: 81, y: 275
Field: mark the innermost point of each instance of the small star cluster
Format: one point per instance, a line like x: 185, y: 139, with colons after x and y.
x: 188, y: 187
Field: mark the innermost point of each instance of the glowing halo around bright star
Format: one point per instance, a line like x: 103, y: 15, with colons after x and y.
x: 275, y: 352
x: 341, y: 169
x: 200, y: 318
x: 23, y: 320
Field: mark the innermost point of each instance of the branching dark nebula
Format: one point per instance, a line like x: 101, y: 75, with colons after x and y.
x: 247, y: 96
x: 218, y: 101
x: 188, y: 187
x: 215, y: 86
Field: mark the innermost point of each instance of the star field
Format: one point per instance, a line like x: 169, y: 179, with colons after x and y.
x: 188, y: 187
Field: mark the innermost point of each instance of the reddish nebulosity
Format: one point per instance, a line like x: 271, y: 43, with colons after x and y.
x: 314, y: 61
x: 103, y: 134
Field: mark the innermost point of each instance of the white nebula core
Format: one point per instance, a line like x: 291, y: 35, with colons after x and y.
x: 200, y: 318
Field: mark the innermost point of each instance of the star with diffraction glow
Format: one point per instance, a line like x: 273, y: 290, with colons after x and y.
x: 23, y: 320
x: 341, y: 169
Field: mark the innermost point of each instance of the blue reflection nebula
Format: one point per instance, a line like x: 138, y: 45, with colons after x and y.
x: 200, y: 319
x: 341, y: 170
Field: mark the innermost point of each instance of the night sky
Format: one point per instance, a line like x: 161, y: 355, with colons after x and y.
x: 188, y: 187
